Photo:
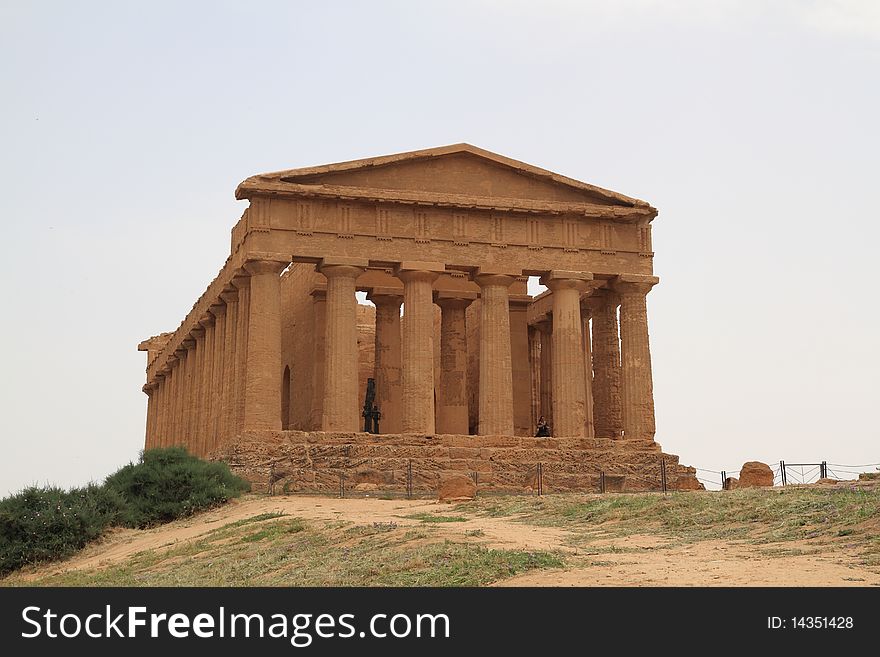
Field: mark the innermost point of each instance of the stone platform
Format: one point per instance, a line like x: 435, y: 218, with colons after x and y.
x: 298, y: 461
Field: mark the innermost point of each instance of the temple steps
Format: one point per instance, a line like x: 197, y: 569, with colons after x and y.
x: 295, y: 461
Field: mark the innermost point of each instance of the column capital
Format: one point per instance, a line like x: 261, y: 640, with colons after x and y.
x: 217, y: 309
x: 557, y: 279
x: 148, y: 388
x: 196, y: 333
x: 206, y: 320
x: 484, y: 276
x: 240, y: 278
x: 454, y: 299
x: 188, y: 344
x: 268, y: 265
x: 229, y: 294
x: 419, y: 271
x: 491, y: 279
x: 390, y: 296
x: 170, y: 362
x: 519, y: 302
x: 340, y: 270
x: 634, y: 284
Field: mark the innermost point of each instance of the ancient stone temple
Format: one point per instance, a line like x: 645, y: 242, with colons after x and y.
x: 269, y: 369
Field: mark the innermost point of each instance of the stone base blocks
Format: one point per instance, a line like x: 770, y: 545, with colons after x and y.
x: 300, y: 461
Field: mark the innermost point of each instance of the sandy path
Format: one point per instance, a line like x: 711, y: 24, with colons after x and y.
x: 121, y: 544
x: 635, y: 560
x: 706, y: 563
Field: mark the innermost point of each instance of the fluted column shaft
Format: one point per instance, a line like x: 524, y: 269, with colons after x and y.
x: 205, y: 380
x: 569, y: 396
x: 589, y: 421
x: 417, y: 351
x: 341, y: 410
x: 157, y: 418
x: 150, y: 437
x: 190, y: 383
x: 606, y: 367
x: 387, y: 364
x: 262, y: 404
x: 174, y: 399
x: 545, y: 328
x: 319, y: 334
x: 227, y: 381
x: 175, y: 436
x: 219, y: 312
x: 519, y: 364
x: 242, y: 283
x: 452, y: 396
x: 496, y: 376
x: 635, y: 357
x: 534, y: 378
x: 195, y: 423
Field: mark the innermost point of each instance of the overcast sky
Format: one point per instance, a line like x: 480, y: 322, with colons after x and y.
x: 752, y: 126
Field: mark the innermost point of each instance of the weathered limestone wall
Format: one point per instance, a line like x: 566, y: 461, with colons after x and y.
x: 314, y: 461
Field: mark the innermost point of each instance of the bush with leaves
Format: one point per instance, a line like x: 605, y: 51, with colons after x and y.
x: 169, y: 483
x: 43, y: 524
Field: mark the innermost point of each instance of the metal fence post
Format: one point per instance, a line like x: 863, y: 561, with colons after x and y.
x: 663, y: 474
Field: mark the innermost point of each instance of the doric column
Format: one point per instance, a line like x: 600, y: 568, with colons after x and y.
x: 242, y: 283
x: 534, y: 378
x: 341, y: 410
x: 387, y: 368
x: 452, y: 395
x: 417, y: 345
x: 635, y: 356
x: 262, y: 404
x: 150, y: 434
x: 158, y: 415
x: 569, y: 396
x: 188, y: 384
x: 319, y: 334
x: 218, y: 310
x: 172, y: 435
x: 165, y: 384
x: 519, y: 364
x: 205, y: 381
x: 229, y: 295
x: 606, y: 366
x: 195, y: 422
x: 496, y: 377
x: 545, y: 329
x: 589, y: 417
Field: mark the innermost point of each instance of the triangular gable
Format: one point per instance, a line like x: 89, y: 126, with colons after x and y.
x: 458, y: 169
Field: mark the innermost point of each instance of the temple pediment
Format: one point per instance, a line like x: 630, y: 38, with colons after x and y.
x: 460, y: 170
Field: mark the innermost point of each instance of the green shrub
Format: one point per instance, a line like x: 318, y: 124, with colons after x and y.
x: 169, y: 483
x: 42, y: 524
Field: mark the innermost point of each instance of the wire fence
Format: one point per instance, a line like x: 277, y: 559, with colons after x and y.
x: 787, y: 474
x: 784, y: 474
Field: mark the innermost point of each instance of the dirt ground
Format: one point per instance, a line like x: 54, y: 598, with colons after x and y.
x: 632, y: 560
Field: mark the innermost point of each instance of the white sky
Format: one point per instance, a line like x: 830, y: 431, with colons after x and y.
x: 752, y: 126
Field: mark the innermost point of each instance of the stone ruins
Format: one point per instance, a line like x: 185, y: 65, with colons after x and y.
x: 269, y: 369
